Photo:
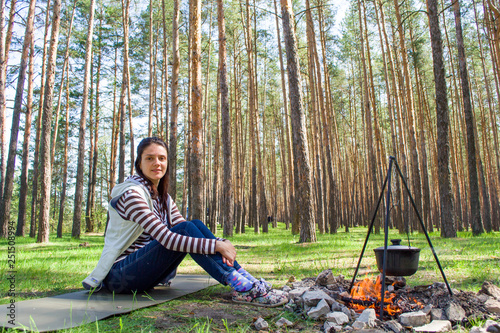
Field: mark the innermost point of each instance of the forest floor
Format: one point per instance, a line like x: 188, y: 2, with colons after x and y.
x: 59, y: 266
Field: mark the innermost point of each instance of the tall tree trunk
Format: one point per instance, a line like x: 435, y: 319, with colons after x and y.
x: 475, y: 209
x: 367, y: 111
x: 124, y: 89
x: 227, y: 189
x: 195, y: 166
x: 315, y: 112
x: 493, y: 189
x: 80, y: 171
x: 46, y: 168
x: 23, y: 190
x: 448, y: 228
x: 410, y: 111
x: 65, y: 165
x: 16, y: 117
x: 302, y: 169
x: 36, y: 161
x: 165, y: 71
x: 289, y: 173
x: 91, y: 198
x: 4, y: 57
x: 172, y: 156
x: 114, y: 131
x: 253, y: 203
x: 64, y: 76
x: 152, y: 94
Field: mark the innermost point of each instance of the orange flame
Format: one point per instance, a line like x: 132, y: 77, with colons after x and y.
x: 367, y: 290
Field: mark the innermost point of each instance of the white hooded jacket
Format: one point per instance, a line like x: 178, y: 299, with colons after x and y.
x: 120, y: 233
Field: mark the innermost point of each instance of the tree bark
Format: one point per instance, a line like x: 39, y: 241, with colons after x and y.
x: 91, y: 198
x: 151, y: 71
x: 172, y: 156
x: 289, y: 172
x: 4, y: 57
x: 36, y: 161
x: 410, y: 121
x: 195, y: 167
x: 124, y: 89
x: 77, y: 210
x: 302, y: 169
x: 227, y: 189
x: 46, y: 168
x: 475, y: 209
x: 165, y: 72
x: 16, y: 117
x: 23, y: 191
x: 448, y: 228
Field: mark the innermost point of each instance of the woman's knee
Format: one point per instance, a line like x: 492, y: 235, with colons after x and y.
x: 198, y: 223
x: 187, y: 228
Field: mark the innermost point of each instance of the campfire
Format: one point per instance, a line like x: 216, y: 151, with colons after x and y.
x: 366, y: 294
x: 340, y: 307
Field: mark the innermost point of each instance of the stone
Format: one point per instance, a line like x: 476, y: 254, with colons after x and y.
x: 297, y: 292
x: 290, y: 306
x: 490, y: 289
x: 286, y: 289
x: 483, y: 297
x: 439, y: 285
x: 414, y: 319
x: 338, y: 318
x: 312, y: 297
x: 319, y: 310
x: 368, y: 317
x: 329, y: 327
x: 336, y: 306
x: 454, y: 312
x: 261, y: 324
x: 493, y: 306
x: 348, y: 312
x: 284, y: 322
x: 491, y: 326
x: 435, y: 326
x: 427, y: 309
x: 437, y: 314
x: 359, y: 325
x: 477, y: 329
x: 325, y: 278
x: 306, y: 283
x: 394, y: 326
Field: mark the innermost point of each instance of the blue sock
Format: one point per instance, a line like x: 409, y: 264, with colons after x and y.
x: 247, y: 275
x: 238, y: 282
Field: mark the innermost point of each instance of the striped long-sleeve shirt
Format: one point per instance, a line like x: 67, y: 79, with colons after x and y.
x: 131, y: 206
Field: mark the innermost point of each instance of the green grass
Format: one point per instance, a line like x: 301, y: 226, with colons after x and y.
x: 59, y: 266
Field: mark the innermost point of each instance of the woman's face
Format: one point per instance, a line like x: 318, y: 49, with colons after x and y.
x: 154, y: 162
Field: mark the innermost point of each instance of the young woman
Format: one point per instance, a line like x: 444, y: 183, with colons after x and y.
x: 147, y: 238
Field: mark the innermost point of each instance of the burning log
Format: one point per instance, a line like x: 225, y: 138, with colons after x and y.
x: 363, y: 302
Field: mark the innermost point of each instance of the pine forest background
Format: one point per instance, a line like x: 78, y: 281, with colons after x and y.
x: 278, y: 112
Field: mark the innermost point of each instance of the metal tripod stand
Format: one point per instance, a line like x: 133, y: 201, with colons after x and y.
x: 387, y: 182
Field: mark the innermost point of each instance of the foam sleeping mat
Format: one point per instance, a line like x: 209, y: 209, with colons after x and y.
x: 81, y: 307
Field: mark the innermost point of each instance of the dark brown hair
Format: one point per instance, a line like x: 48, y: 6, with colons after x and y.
x: 162, y: 190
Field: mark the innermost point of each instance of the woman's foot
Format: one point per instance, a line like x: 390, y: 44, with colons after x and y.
x: 266, y: 284
x: 259, y: 295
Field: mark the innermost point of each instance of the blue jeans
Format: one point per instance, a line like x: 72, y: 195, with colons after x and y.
x: 150, y: 265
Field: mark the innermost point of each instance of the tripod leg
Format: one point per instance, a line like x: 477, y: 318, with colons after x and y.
x: 386, y: 232
x: 370, y: 228
x: 423, y: 228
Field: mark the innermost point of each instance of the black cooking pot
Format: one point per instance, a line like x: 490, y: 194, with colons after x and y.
x: 401, y: 260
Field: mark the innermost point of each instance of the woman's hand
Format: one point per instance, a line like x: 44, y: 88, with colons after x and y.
x: 227, y: 251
